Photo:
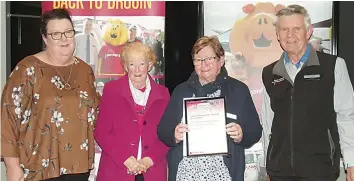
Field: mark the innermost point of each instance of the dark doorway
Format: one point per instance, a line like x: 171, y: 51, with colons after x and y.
x: 183, y: 26
x: 23, y: 30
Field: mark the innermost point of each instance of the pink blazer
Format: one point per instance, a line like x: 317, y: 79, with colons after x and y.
x: 117, y: 131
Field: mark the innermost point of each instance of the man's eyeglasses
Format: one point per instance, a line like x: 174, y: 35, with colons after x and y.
x: 207, y: 60
x: 58, y: 35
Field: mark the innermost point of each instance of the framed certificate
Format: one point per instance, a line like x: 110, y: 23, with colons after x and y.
x: 206, y: 119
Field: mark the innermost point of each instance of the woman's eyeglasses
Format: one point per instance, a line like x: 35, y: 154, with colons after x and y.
x: 207, y: 60
x: 58, y: 35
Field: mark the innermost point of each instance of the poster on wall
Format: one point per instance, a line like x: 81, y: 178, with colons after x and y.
x: 246, y: 32
x: 103, y: 28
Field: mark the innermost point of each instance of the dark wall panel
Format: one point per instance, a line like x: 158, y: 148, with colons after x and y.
x: 183, y: 26
x: 23, y: 31
x: 346, y: 35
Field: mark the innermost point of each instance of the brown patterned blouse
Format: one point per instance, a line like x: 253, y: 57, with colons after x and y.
x: 47, y: 126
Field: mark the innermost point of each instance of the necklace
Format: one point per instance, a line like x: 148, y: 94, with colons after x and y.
x: 67, y: 86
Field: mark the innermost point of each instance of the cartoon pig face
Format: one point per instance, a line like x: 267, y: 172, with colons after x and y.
x: 261, y: 33
x: 255, y: 37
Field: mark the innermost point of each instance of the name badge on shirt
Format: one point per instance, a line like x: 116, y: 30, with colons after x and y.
x: 277, y: 81
x: 231, y: 116
x: 312, y: 77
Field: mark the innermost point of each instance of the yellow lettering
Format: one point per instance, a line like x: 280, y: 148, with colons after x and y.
x: 81, y: 5
x: 127, y: 4
x: 90, y: 4
x: 56, y: 4
x: 75, y: 5
x: 64, y: 4
x: 68, y: 4
x: 135, y: 5
x: 111, y: 4
x: 98, y: 4
x: 72, y: 5
x: 119, y: 4
x: 148, y: 4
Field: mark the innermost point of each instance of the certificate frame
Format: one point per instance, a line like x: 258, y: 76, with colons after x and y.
x: 200, y: 100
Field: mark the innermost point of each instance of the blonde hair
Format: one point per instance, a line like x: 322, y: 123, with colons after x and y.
x: 293, y: 9
x: 211, y: 41
x: 137, y: 47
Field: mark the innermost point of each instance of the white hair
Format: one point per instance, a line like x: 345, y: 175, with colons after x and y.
x: 293, y: 9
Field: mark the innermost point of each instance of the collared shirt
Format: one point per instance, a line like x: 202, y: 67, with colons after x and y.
x: 343, y: 105
x: 293, y: 69
x: 302, y: 60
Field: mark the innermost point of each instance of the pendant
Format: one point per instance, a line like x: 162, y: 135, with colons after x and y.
x: 67, y: 86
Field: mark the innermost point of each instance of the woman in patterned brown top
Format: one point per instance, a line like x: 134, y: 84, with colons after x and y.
x: 49, y: 107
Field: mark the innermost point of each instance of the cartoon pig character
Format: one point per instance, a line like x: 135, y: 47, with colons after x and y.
x: 254, y: 37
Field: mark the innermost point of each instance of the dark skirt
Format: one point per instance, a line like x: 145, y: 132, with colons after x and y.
x: 139, y: 177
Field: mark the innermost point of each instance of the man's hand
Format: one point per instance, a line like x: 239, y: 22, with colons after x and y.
x: 350, y: 173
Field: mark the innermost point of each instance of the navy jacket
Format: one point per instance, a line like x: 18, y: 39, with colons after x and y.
x: 238, y: 102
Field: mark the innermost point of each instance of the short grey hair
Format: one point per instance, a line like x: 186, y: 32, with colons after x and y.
x: 290, y: 10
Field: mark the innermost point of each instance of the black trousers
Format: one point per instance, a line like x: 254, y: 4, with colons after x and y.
x: 139, y: 177
x: 330, y: 178
x: 72, y: 177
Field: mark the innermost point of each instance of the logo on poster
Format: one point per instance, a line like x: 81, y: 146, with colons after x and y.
x: 111, y: 55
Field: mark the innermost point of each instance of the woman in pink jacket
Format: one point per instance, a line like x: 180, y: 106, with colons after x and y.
x: 129, y: 112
